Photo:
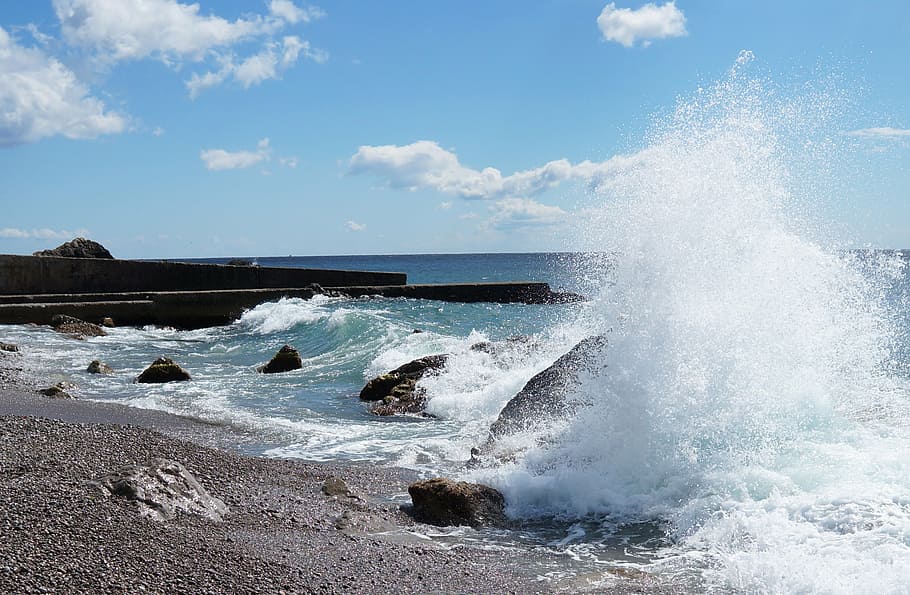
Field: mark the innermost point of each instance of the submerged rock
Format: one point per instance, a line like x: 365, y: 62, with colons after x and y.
x: 444, y: 502
x: 70, y: 325
x: 59, y: 391
x: 397, y: 391
x: 10, y: 347
x: 544, y: 398
x: 162, y: 370
x: 161, y: 489
x: 78, y: 248
x: 285, y: 360
x: 99, y: 367
x: 107, y: 321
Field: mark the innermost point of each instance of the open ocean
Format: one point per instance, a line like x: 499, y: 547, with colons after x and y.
x: 749, y: 429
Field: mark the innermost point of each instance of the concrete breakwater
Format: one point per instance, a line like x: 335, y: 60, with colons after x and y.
x: 35, y: 288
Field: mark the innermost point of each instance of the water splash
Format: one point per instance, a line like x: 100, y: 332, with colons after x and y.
x: 748, y: 405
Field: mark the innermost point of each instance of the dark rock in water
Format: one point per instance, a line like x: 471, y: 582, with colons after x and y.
x: 544, y: 397
x: 161, y: 489
x: 9, y: 347
x: 78, y: 248
x: 99, y: 367
x: 161, y: 370
x: 239, y: 262
x: 69, y: 325
x: 397, y: 391
x: 59, y: 391
x: 443, y: 502
x: 285, y: 360
x: 107, y: 321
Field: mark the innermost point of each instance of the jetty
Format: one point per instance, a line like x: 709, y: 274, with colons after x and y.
x: 33, y: 289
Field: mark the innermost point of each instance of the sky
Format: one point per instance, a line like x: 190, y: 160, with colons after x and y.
x: 167, y: 129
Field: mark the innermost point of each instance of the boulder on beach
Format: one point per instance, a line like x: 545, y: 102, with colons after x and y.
x: 99, y: 367
x: 10, y: 347
x: 69, y: 325
x: 285, y: 360
x: 77, y: 248
x: 61, y: 390
x: 161, y: 489
x: 545, y: 397
x: 397, y: 391
x: 162, y: 370
x: 444, y: 502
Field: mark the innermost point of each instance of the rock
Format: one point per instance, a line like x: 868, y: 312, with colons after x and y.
x: 397, y: 391
x: 69, y: 325
x: 99, y: 367
x: 335, y: 486
x: 9, y: 347
x: 59, y: 391
x: 161, y: 370
x: 161, y: 489
x: 239, y: 262
x: 285, y: 360
x: 444, y: 502
x: 78, y: 248
x: 107, y: 321
x: 544, y: 398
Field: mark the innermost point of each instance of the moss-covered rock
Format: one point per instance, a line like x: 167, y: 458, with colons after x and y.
x: 163, y: 370
x: 285, y: 360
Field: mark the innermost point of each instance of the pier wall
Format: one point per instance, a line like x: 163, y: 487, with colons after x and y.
x: 21, y: 275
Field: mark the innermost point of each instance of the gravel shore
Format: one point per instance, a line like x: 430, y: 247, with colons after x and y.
x: 60, y: 533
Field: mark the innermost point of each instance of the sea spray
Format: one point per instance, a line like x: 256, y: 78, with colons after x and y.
x: 748, y: 406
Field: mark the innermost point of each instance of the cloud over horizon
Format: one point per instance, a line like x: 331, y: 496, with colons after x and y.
x: 884, y: 132
x: 426, y: 165
x: 626, y: 26
x: 42, y: 234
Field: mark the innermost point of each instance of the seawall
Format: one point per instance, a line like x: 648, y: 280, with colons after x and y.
x: 22, y: 275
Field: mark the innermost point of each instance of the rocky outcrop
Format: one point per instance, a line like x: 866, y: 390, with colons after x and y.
x: 80, y: 329
x: 162, y: 370
x: 61, y: 390
x: 444, y: 502
x: 78, y: 248
x: 9, y: 347
x: 99, y: 367
x: 285, y: 360
x: 108, y: 322
x: 545, y: 397
x: 161, y: 489
x: 397, y: 392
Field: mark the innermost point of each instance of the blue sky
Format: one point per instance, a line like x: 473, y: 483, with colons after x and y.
x: 274, y: 127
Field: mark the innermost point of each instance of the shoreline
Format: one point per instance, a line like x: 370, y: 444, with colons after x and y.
x: 282, y: 533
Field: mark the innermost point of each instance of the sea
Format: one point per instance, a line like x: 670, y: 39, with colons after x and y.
x: 746, y: 428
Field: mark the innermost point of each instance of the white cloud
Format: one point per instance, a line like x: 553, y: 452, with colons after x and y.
x: 881, y: 133
x: 424, y: 164
x: 354, y: 226
x: 134, y: 29
x: 290, y: 162
x: 39, y: 98
x: 269, y: 63
x: 288, y: 11
x: 158, y: 131
x: 445, y: 206
x: 219, y: 159
x: 42, y: 234
x: 626, y: 26
x: 522, y: 212
x: 173, y: 32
